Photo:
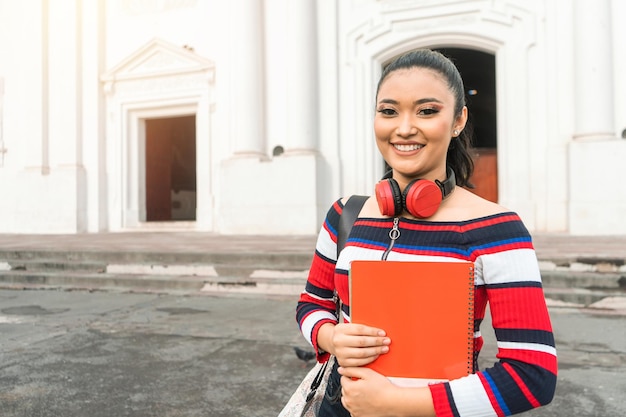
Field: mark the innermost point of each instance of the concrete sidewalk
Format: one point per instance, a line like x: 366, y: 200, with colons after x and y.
x: 100, y: 354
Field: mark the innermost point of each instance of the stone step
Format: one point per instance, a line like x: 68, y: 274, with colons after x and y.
x: 159, y: 282
x: 584, y: 280
x: 259, y: 283
x: 243, y: 259
x: 598, y: 268
x: 55, y: 265
x: 102, y: 281
x: 581, y: 297
x: 155, y: 267
x: 252, y: 272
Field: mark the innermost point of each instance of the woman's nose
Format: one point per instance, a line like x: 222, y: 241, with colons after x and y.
x: 406, y: 127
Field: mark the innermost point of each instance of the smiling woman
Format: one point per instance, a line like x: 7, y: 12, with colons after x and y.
x: 422, y: 212
x: 415, y: 122
x: 429, y: 99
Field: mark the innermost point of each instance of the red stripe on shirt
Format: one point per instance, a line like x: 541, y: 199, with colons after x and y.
x: 512, y: 307
x: 545, y: 360
x: 441, y: 402
x: 529, y: 395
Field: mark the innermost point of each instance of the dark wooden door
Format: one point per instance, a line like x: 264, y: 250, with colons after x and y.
x: 158, y: 171
x: 485, y: 177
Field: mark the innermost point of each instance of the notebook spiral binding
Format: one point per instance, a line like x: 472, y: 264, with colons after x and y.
x: 470, y: 324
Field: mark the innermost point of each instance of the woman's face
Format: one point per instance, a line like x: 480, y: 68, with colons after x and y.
x: 415, y: 122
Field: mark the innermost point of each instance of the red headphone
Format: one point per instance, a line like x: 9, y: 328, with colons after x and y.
x: 421, y: 198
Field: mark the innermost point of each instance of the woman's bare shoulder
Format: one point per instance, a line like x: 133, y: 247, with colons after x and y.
x: 481, y: 204
x: 465, y: 205
x: 370, y: 207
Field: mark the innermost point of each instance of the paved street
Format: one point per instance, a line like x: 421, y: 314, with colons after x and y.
x: 103, y: 354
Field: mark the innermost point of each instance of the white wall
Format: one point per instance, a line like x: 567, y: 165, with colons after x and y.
x: 60, y: 172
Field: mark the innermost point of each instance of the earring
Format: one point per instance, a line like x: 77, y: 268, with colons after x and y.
x: 456, y: 132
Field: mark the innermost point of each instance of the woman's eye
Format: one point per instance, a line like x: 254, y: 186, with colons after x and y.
x: 428, y: 112
x: 387, y: 112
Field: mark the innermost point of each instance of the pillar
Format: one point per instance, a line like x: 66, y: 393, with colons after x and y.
x: 302, y: 77
x: 64, y: 78
x: 2, y: 148
x: 246, y: 115
x: 593, y: 70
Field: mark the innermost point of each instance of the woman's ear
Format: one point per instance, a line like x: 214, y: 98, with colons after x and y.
x: 461, y: 120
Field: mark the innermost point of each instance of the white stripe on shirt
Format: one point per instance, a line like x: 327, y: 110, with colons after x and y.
x: 469, y: 401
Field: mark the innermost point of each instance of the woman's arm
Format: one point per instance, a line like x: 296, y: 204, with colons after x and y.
x: 353, y: 345
x: 508, y: 277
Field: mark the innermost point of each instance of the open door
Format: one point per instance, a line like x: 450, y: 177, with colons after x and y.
x: 171, y: 169
x: 478, y: 70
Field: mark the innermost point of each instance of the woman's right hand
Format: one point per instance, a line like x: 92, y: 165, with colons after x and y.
x: 357, y: 344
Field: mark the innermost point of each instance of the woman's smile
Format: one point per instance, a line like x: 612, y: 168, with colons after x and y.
x: 407, y: 147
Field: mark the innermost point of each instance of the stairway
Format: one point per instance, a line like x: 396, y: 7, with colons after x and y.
x: 211, y: 273
x: 577, y: 283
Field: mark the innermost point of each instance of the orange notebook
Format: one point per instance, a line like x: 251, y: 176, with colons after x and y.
x: 426, y: 308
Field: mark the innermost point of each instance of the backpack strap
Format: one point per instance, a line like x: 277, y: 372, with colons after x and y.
x: 350, y: 212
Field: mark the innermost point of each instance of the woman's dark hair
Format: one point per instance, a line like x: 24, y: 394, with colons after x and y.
x: 459, y: 157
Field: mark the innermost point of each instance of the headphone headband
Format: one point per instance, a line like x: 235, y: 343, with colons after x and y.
x: 446, y: 186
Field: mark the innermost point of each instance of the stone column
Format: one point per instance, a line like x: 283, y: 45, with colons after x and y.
x: 593, y: 70
x: 246, y: 112
x: 302, y: 85
x: 93, y: 113
x: 595, y: 154
x: 64, y: 85
x: 2, y: 148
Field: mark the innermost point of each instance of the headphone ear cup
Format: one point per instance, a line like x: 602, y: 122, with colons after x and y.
x: 422, y: 198
x: 389, y: 197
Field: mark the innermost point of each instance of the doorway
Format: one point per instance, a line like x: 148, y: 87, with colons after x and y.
x: 478, y: 70
x: 170, y: 169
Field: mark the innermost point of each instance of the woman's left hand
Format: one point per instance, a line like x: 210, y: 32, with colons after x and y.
x: 364, y: 392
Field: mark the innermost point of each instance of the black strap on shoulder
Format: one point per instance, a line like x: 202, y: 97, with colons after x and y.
x: 350, y: 212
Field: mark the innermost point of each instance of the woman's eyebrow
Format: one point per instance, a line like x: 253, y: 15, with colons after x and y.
x: 420, y: 101
x: 427, y: 100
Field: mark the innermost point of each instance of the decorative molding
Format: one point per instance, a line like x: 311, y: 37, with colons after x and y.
x: 175, y: 83
x: 399, y: 18
x: 502, y: 12
x: 159, y: 59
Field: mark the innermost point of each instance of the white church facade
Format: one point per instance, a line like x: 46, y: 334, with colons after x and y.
x: 253, y: 116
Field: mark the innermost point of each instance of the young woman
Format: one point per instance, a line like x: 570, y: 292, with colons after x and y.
x: 419, y: 127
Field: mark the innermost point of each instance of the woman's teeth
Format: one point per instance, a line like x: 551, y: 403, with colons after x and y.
x: 407, y: 148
